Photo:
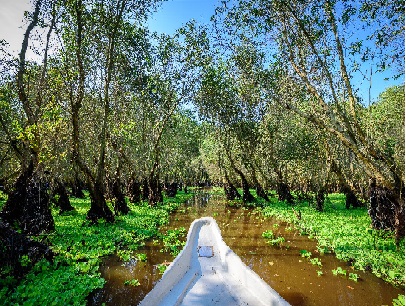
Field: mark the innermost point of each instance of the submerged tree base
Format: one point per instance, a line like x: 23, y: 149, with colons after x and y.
x: 28, y: 204
x: 20, y: 253
x: 231, y: 192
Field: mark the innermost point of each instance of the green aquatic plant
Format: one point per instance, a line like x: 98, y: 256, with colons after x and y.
x: 132, y: 282
x: 78, y: 248
x: 338, y: 271
x: 174, y: 240
x: 25, y: 261
x: 348, y: 234
x: 161, y: 268
x: 400, y: 301
x: 316, y: 262
x: 277, y: 241
x: 268, y: 234
x: 124, y: 255
x: 305, y: 253
x: 353, y: 276
x: 272, y: 239
x: 141, y: 256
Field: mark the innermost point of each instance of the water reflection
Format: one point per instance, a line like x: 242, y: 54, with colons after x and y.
x: 200, y: 200
x: 281, y: 266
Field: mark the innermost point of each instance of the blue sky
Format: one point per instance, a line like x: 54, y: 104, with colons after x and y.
x: 175, y: 13
x: 171, y: 15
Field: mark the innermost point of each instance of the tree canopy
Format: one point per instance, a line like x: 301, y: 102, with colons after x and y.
x: 264, y: 96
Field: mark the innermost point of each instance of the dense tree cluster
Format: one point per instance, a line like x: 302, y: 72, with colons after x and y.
x: 110, y: 107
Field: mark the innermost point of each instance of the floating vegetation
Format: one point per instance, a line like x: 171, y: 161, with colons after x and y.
x: 132, y: 282
x: 353, y: 276
x: 141, y: 257
x: 316, y: 262
x: 161, y: 268
x: 348, y: 234
x: 174, y: 240
x: 305, y: 253
x: 400, y: 301
x: 272, y: 239
x: 268, y: 234
x: 78, y: 250
x: 339, y: 271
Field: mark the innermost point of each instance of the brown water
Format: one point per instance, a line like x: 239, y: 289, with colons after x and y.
x: 282, y: 267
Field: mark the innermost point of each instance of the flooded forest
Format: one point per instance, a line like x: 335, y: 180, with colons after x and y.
x: 114, y: 138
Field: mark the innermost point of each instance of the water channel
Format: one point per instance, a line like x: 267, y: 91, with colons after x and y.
x: 282, y: 267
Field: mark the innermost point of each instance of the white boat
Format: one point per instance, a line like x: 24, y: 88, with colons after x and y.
x: 208, y: 272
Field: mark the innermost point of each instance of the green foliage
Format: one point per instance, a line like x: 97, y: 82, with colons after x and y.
x: 54, y: 284
x: 272, y: 239
x: 353, y: 276
x: 161, y: 268
x: 3, y: 198
x: 268, y: 234
x: 277, y: 241
x: 174, y: 240
x: 316, y: 261
x: 132, y: 282
x: 25, y: 260
x: 78, y: 249
x: 305, y: 253
x: 124, y: 255
x: 141, y: 256
x: 338, y: 271
x: 347, y: 233
x: 384, y: 121
x: 400, y: 301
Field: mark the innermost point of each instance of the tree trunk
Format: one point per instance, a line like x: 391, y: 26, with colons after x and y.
x: 258, y: 188
x: 63, y: 201
x: 15, y: 245
x: 28, y: 204
x: 320, y: 198
x: 387, y: 209
x: 145, y: 190
x: 134, y: 191
x: 120, y: 205
x: 247, y: 197
x: 171, y: 189
x: 77, y: 188
x: 261, y: 192
x: 98, y: 206
x: 37, y: 217
x: 155, y: 191
x: 399, y: 219
x: 230, y: 190
x: 13, y: 209
x: 284, y: 193
x: 350, y: 198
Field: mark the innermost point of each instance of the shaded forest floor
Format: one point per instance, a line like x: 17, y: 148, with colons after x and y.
x: 79, y: 247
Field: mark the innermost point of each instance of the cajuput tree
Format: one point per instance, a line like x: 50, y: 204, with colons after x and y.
x: 93, y: 34
x: 26, y: 99
x: 313, y: 47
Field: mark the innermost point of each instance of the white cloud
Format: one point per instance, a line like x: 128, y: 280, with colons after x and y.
x: 11, y: 22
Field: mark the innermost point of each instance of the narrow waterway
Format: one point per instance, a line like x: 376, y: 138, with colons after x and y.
x: 295, y: 278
